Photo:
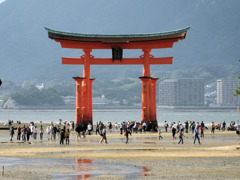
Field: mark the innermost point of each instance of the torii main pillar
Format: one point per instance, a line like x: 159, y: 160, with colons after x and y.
x: 149, y: 113
x: 116, y: 42
x: 84, y: 93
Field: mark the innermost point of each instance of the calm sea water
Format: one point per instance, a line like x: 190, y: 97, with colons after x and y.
x: 117, y: 115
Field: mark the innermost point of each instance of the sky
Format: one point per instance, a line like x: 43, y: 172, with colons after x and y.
x: 2, y: 1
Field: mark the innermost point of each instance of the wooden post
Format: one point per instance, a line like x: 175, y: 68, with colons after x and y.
x: 145, y: 98
x: 87, y: 87
x: 79, y: 99
x: 154, y: 81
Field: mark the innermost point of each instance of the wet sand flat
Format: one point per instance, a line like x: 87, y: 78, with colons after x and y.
x: 217, y: 158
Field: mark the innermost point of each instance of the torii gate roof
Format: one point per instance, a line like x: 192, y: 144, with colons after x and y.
x: 128, y: 41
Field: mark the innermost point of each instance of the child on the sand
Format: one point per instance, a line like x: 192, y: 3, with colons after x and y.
x: 181, y: 136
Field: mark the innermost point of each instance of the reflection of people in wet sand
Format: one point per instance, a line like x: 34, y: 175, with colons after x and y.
x: 103, y: 134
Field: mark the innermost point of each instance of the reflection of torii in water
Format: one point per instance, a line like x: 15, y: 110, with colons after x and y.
x: 116, y: 42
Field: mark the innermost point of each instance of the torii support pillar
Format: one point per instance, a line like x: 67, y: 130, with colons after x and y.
x: 79, y: 100
x: 83, y: 115
x: 154, y: 92
x: 149, y: 113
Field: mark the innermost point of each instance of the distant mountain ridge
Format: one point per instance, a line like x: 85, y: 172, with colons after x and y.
x: 26, y: 53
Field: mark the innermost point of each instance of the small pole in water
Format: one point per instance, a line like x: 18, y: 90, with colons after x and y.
x: 238, y: 115
x: 8, y: 113
x: 2, y: 170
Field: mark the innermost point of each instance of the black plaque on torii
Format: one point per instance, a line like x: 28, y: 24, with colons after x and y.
x: 117, y: 54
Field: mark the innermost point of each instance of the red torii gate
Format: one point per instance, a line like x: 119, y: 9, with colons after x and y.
x: 116, y: 42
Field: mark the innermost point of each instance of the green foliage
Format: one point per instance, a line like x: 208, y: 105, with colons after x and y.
x: 114, y: 87
x: 119, y: 89
x: 35, y: 97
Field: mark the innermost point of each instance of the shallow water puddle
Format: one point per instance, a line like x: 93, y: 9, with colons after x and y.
x: 74, y: 169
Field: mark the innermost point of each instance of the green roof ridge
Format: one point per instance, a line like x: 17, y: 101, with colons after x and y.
x: 139, y: 35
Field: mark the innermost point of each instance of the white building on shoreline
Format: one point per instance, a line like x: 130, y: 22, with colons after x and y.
x: 181, y: 92
x: 225, y: 91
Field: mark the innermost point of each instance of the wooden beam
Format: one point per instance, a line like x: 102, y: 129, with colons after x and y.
x: 124, y: 61
x: 158, y: 44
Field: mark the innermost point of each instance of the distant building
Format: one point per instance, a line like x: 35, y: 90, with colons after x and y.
x: 69, y: 100
x: 40, y: 87
x: 225, y: 91
x: 181, y: 92
x: 100, y: 101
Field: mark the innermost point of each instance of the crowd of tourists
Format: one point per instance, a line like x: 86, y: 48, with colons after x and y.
x: 61, y: 133
x: 25, y: 133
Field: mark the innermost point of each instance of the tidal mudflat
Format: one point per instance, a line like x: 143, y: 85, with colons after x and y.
x: 145, y: 157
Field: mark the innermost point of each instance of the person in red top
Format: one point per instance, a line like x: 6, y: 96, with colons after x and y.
x: 202, y: 131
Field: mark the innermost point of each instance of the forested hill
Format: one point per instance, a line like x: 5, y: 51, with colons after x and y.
x: 26, y: 52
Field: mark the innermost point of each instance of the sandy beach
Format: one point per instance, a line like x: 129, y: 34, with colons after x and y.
x: 145, y: 157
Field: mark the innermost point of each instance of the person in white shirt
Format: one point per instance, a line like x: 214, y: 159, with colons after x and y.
x: 89, y: 127
x: 144, y: 126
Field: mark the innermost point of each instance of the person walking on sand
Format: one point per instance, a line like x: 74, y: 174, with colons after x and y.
x: 159, y: 132
x: 196, y: 135
x: 78, y: 130
x: 41, y: 132
x: 166, y: 125
x: 62, y: 136
x: 181, y: 136
x: 213, y: 128
x: 28, y: 133
x: 54, y: 132
x: 67, y: 135
x: 186, y: 126
x: 193, y: 126
x: 224, y: 125
x: 110, y: 126
x: 48, y: 132
x: 104, y: 136
x: 23, y: 131
x: 11, y: 132
x: 19, y: 133
x: 126, y: 133
x: 202, y: 131
x: 97, y: 129
x: 34, y: 131
x: 144, y: 127
x: 58, y: 132
x: 174, y: 129
x: 83, y: 129
x: 121, y: 128
x: 89, y: 127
